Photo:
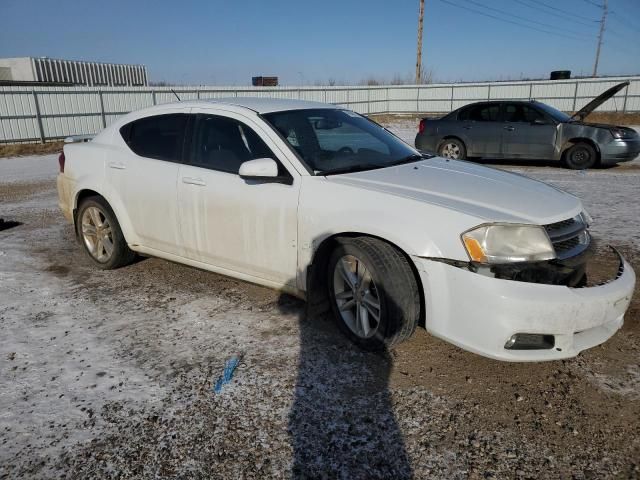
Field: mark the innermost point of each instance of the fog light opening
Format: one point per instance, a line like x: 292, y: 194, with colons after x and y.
x: 530, y: 341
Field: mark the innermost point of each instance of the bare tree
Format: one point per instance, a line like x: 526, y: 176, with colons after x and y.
x: 426, y: 75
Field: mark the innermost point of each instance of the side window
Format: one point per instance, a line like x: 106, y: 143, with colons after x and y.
x: 465, y: 113
x: 516, y: 112
x: 160, y: 136
x: 531, y: 114
x: 222, y: 143
x: 481, y: 113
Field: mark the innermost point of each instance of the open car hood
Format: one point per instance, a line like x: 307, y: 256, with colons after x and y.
x: 599, y: 100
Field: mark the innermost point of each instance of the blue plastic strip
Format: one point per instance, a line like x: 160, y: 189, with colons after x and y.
x: 227, y: 374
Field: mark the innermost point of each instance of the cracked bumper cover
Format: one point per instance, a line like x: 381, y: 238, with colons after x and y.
x: 480, y: 313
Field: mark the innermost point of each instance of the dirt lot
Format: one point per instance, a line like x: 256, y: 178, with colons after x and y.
x: 110, y: 374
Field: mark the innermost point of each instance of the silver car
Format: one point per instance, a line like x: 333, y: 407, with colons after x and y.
x: 529, y: 130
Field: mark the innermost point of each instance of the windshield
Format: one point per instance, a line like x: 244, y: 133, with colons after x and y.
x: 555, y: 114
x: 332, y: 141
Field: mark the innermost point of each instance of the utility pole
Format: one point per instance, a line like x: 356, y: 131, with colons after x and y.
x: 605, y: 10
x: 419, y: 54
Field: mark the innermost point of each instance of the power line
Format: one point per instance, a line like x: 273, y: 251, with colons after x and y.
x: 624, y: 22
x: 619, y: 35
x: 567, y: 17
x: 591, y: 2
x: 508, y: 14
x: 566, y: 12
x: 550, y: 32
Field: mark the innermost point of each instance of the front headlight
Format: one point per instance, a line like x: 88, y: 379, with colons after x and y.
x: 621, y: 133
x: 507, y: 243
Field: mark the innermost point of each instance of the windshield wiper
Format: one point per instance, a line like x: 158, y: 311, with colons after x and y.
x: 352, y: 168
x: 414, y: 157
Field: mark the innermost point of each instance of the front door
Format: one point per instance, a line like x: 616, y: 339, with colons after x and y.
x: 240, y: 225
x: 527, y: 133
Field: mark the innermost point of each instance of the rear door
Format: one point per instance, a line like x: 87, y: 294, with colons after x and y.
x: 241, y: 225
x: 144, y: 174
x: 483, y: 129
x: 527, y: 132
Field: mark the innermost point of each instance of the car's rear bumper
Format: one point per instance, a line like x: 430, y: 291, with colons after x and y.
x: 620, y: 151
x: 65, y: 196
x: 426, y: 143
x: 480, y: 313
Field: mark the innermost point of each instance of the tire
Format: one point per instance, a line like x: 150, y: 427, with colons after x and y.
x: 387, y: 279
x: 580, y: 156
x: 95, y: 215
x: 453, y: 149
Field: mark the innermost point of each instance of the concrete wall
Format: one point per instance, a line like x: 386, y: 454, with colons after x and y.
x: 21, y: 68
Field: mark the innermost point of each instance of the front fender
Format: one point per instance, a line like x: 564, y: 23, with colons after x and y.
x: 418, y: 229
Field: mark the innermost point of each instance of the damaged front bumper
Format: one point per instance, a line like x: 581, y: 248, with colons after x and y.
x: 482, y: 313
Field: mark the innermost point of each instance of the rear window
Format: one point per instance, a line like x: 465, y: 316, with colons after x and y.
x: 159, y: 136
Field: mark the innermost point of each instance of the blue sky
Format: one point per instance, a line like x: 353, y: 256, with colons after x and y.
x: 226, y: 42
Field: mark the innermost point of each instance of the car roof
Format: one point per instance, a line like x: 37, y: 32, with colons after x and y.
x: 506, y: 100
x: 256, y: 104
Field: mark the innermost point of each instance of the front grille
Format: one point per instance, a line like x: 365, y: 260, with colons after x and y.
x: 566, y: 244
x: 569, y: 237
x: 554, y: 227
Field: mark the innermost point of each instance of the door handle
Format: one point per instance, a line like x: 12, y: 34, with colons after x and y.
x: 509, y: 128
x: 193, y: 181
x: 117, y: 165
x: 468, y: 127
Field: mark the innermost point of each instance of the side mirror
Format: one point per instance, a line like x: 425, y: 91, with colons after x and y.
x: 264, y: 169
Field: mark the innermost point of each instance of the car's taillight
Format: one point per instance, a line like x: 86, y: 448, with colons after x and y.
x: 422, y: 125
x: 61, y: 162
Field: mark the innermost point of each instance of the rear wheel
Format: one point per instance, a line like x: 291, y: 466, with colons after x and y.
x: 101, y: 236
x: 580, y: 156
x: 373, y: 291
x: 452, y: 148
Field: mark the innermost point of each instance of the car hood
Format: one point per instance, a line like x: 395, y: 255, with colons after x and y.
x: 487, y: 193
x: 599, y: 100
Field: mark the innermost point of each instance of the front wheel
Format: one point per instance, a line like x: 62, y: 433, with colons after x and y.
x: 580, y: 156
x: 373, y: 291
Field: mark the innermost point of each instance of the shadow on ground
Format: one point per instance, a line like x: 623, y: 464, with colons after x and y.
x: 341, y: 422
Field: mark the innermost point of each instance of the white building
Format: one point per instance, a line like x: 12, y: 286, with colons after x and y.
x: 43, y: 69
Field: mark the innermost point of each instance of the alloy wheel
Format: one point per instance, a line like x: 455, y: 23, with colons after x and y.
x: 356, y: 296
x: 97, y: 234
x: 450, y: 150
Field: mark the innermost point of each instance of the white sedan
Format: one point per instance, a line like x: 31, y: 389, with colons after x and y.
x: 325, y: 204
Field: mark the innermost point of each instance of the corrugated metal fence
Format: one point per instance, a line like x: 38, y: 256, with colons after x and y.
x: 48, y: 113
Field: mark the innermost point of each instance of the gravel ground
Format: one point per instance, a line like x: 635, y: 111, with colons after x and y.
x: 110, y: 374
